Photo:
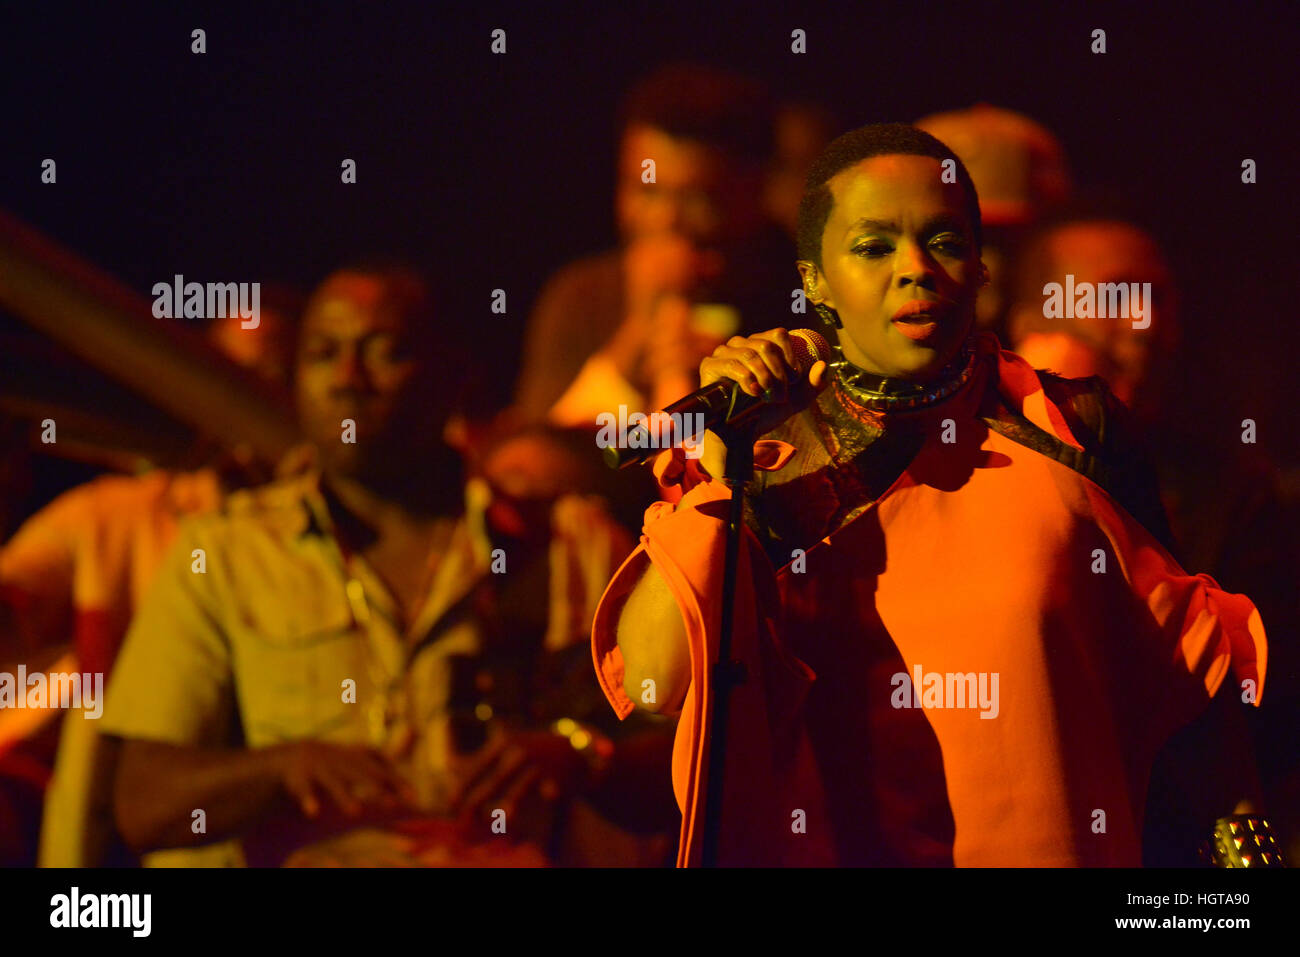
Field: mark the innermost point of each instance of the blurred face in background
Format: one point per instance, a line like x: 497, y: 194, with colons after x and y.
x: 357, y: 360
x: 699, y: 193
x: 1098, y: 252
x: 900, y: 266
x: 802, y: 132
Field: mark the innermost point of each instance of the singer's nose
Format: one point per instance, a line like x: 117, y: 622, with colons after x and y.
x: 913, y: 265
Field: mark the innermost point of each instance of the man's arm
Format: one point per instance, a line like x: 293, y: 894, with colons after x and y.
x: 576, y: 311
x: 160, y: 786
x: 36, y: 577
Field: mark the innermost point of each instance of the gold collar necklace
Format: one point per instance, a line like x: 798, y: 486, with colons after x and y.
x: 877, y: 394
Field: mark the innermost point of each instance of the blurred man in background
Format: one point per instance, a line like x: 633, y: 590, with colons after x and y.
x: 356, y: 676
x: 700, y: 260
x: 803, y: 129
x: 1098, y: 251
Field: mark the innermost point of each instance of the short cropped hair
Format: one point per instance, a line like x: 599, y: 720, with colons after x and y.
x: 877, y: 139
x: 729, y: 112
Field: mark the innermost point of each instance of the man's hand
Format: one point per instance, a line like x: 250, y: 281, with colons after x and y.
x: 660, y: 265
x: 660, y: 273
x: 524, y: 774
x: 353, y: 777
x: 673, y: 352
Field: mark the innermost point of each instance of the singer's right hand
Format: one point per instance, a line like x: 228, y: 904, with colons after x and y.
x: 764, y: 361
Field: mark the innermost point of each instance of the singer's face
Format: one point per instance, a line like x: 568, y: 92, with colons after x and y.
x: 354, y: 362
x: 899, y: 238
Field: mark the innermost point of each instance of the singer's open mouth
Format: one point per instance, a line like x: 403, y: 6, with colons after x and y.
x: 921, y: 310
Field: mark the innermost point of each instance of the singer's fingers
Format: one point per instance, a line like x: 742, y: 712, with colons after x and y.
x: 762, y: 356
x: 742, y: 369
x: 781, y: 337
x: 756, y: 363
x: 773, y: 354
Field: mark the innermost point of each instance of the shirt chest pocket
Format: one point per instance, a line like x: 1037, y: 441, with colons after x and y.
x: 302, y: 675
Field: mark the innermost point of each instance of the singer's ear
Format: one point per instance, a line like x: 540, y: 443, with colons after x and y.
x: 812, y: 288
x: 815, y: 292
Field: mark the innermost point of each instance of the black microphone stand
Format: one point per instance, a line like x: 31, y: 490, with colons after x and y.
x: 727, y: 674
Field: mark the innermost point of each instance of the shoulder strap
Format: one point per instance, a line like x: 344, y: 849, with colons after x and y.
x: 1003, y: 419
x: 1111, y: 457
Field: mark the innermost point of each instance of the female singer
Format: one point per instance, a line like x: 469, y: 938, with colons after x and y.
x: 961, y: 639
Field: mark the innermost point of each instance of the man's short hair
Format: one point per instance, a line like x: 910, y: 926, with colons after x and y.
x: 877, y: 139
x: 406, y: 287
x: 729, y: 112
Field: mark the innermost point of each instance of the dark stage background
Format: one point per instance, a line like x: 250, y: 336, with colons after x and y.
x: 226, y: 165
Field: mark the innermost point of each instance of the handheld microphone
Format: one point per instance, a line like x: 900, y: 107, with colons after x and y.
x: 721, y: 404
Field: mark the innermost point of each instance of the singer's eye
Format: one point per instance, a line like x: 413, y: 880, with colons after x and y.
x: 950, y: 242
x: 872, y: 250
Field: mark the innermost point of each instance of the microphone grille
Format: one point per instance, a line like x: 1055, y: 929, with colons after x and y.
x: 809, y: 347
